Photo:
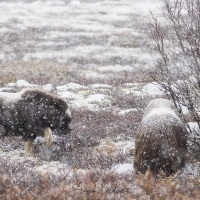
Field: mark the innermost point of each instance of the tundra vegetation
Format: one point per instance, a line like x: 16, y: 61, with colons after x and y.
x: 95, y: 160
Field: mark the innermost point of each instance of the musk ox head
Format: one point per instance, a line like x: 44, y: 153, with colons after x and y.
x: 160, y: 139
x: 63, y: 125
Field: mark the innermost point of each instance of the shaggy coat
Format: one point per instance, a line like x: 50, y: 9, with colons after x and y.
x: 160, y: 139
x: 31, y: 112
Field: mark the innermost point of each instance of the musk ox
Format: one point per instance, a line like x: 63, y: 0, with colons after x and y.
x: 31, y: 113
x: 160, y: 139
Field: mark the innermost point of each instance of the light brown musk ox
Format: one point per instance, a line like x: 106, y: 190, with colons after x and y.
x: 161, y: 139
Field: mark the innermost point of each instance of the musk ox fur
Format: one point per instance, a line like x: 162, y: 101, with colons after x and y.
x: 31, y: 113
x: 161, y: 138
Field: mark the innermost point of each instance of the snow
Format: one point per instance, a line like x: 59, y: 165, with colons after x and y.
x: 5, y: 89
x: 132, y: 91
x: 12, y: 154
x: 100, y: 98
x: 92, y: 35
x: 48, y: 87
x: 11, y: 85
x: 70, y: 86
x: 68, y: 95
x: 115, y: 68
x: 97, y: 86
x: 99, y: 40
x: 125, y: 146
x: 82, y: 103
x: 184, y: 110
x: 128, y: 111
x: 194, y: 126
x: 52, y: 167
x: 10, y: 97
x: 191, y: 169
x: 24, y: 84
x: 92, y: 96
x: 152, y: 89
x: 56, y: 168
x: 124, y: 168
x: 131, y: 85
x: 104, y: 35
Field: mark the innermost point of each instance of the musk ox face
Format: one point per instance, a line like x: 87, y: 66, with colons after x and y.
x: 160, y: 139
x: 62, y: 127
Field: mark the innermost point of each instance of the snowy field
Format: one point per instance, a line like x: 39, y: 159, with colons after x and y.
x: 88, y: 52
x: 99, y: 38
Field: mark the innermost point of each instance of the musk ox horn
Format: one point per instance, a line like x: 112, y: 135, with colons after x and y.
x: 160, y: 143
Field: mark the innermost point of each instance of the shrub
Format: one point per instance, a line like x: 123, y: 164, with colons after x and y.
x: 175, y: 43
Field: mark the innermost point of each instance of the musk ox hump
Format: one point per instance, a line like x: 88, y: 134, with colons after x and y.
x: 159, y: 103
x: 39, y: 95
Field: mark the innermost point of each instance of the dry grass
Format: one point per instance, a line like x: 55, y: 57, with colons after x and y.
x: 95, y: 184
x: 78, y: 149
x: 34, y: 72
x: 96, y: 181
x: 45, y: 72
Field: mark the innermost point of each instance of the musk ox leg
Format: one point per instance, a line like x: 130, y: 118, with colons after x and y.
x: 29, y: 148
x: 48, y: 136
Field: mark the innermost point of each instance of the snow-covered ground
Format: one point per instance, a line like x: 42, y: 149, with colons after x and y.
x: 96, y: 39
x: 93, y: 97
x: 99, y: 38
x: 89, y: 96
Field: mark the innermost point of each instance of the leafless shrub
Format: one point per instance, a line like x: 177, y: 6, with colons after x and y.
x: 129, y: 101
x: 175, y: 42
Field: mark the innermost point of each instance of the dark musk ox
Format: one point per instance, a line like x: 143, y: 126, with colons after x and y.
x: 160, y: 143
x: 31, y: 113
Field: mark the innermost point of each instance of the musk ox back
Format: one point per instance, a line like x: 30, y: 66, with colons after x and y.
x: 160, y: 139
x: 31, y: 113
